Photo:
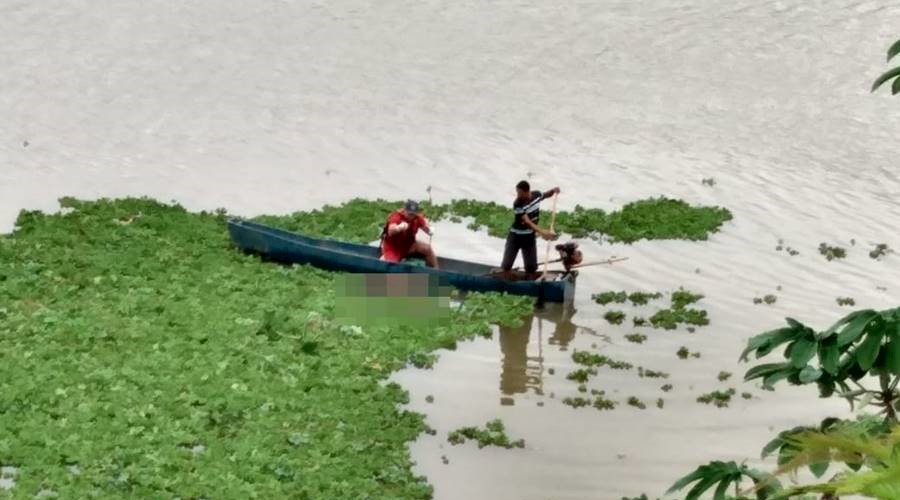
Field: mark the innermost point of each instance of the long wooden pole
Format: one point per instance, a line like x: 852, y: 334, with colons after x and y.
x: 607, y: 261
x: 519, y: 268
x: 549, y: 242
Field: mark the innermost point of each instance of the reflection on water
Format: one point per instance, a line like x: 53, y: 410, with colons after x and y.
x: 523, y: 361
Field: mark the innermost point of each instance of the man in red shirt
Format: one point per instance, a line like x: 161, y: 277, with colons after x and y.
x: 398, y: 239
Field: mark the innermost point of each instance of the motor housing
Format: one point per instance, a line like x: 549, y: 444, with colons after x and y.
x: 569, y: 254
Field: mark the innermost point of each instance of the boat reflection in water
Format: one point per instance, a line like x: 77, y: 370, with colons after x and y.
x: 523, y: 362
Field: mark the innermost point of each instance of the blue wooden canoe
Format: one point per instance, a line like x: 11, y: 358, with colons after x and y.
x: 292, y: 248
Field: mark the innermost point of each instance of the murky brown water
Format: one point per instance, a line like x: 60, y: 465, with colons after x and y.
x: 271, y: 107
x: 520, y: 376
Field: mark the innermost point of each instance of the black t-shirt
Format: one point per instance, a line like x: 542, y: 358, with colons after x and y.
x: 532, y: 208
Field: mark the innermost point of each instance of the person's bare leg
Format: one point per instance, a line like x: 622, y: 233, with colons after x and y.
x: 426, y: 250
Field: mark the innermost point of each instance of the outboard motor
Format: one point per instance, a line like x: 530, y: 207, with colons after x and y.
x: 569, y: 254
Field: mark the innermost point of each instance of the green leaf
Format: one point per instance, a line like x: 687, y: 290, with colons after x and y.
x: 701, y: 487
x: 895, y: 87
x: 769, y: 340
x: 819, y: 469
x: 781, y: 440
x: 772, y: 446
x: 679, y: 485
x: 810, y: 374
x: 893, y: 50
x: 722, y: 490
x: 829, y: 356
x: 706, y: 477
x: 778, y: 376
x: 892, y: 361
x: 843, y: 321
x: 786, y: 453
x: 803, y: 350
x: 793, y: 323
x: 868, y: 349
x: 766, y: 483
x: 826, y: 388
x: 764, y: 370
x: 855, y: 328
x: 893, y: 73
x: 785, y: 335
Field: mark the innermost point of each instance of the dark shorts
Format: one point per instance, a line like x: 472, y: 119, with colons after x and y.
x: 527, y: 243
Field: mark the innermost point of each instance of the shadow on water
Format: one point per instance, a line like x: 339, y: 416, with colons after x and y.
x: 522, y: 363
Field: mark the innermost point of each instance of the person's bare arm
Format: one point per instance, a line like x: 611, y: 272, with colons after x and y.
x: 426, y: 227
x: 552, y: 192
x: 397, y: 228
x: 528, y: 222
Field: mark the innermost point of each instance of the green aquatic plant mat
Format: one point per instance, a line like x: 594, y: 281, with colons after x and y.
x: 494, y: 434
x: 138, y: 346
x: 361, y: 220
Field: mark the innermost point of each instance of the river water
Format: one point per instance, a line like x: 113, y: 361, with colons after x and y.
x: 272, y: 106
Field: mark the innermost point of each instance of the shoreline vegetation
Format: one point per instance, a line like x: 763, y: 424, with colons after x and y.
x: 145, y: 353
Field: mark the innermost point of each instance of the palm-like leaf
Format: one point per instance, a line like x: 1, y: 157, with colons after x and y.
x: 882, y: 481
x: 723, y: 475
x: 893, y: 73
x: 893, y: 51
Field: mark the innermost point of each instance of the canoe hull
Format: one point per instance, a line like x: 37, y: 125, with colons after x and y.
x: 292, y: 248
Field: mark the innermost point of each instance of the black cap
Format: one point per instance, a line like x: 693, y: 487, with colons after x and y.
x: 411, y: 206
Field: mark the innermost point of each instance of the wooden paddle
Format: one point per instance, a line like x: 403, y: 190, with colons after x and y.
x: 550, y: 242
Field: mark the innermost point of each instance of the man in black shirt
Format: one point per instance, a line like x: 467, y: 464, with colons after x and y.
x: 522, y: 234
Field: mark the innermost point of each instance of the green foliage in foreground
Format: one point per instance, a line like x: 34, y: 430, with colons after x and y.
x: 494, y: 434
x: 892, y: 74
x: 722, y: 476
x: 787, y: 448
x: 139, y: 346
x: 869, y: 456
x: 863, y: 345
x: 878, y: 453
x: 653, y: 219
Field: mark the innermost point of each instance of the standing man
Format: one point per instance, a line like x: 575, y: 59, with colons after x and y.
x: 398, y: 238
x: 522, y: 234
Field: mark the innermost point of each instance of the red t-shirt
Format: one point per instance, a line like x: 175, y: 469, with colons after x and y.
x: 400, y: 243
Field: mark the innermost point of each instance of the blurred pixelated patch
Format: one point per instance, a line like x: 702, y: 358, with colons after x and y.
x: 417, y: 299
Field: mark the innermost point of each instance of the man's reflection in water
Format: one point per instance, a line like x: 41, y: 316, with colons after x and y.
x: 523, y: 372
x: 563, y: 334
